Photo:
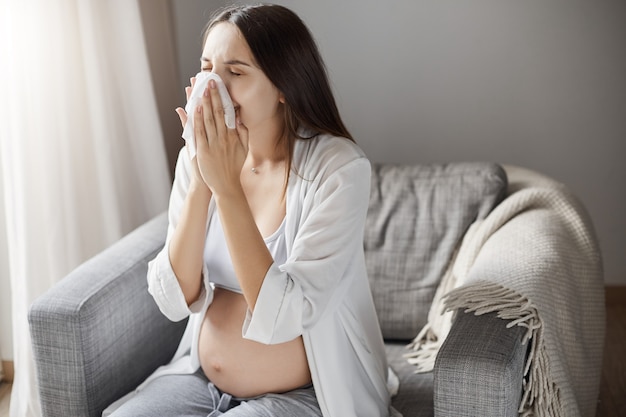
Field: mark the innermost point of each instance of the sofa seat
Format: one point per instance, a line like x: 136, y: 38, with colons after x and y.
x: 415, y: 396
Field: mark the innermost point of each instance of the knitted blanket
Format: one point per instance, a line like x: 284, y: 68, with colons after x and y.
x: 535, y: 261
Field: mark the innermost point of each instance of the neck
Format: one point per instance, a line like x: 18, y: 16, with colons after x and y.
x: 264, y: 149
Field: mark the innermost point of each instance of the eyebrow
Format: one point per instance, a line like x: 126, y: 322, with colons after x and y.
x: 230, y: 62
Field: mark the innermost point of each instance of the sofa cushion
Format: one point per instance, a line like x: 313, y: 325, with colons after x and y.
x: 415, y: 396
x: 417, y: 216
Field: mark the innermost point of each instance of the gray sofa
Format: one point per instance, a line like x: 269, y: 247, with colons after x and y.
x: 97, y: 333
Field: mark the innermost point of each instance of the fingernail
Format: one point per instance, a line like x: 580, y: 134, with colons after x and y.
x: 199, y: 109
x: 212, y: 83
x: 206, y: 92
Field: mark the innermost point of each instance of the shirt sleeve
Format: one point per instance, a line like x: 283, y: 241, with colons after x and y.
x: 162, y: 282
x: 320, y: 268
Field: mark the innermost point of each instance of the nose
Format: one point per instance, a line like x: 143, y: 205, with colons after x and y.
x: 222, y: 72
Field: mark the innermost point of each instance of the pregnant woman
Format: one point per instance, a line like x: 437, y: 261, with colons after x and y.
x: 264, y: 251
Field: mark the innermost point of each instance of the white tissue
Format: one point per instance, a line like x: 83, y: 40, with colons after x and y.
x: 202, y: 81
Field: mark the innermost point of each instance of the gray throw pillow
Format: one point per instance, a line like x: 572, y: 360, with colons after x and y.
x: 417, y: 216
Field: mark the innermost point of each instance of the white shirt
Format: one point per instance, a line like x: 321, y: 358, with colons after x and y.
x: 321, y: 292
x: 217, y: 258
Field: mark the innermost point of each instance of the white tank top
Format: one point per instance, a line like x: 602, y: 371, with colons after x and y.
x: 217, y: 258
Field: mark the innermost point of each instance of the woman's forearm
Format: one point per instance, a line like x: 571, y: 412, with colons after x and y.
x: 248, y: 251
x: 186, y: 246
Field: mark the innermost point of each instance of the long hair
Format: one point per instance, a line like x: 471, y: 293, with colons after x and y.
x: 286, y: 52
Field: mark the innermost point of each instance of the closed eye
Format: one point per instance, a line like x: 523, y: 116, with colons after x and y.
x: 205, y: 64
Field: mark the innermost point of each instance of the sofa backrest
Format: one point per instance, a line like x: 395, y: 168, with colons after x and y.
x: 417, y: 216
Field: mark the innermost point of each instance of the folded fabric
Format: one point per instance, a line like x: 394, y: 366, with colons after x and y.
x: 202, y: 81
x: 548, y: 280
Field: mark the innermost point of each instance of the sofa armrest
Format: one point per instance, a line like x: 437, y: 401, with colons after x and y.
x: 480, y: 368
x: 97, y: 334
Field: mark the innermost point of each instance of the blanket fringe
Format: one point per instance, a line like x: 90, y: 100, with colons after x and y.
x: 424, y: 349
x: 540, y: 394
x: 424, y: 357
x: 426, y: 345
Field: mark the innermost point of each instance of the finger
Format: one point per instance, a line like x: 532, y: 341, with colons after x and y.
x: 209, y: 116
x: 189, y: 89
x: 218, y: 110
x: 242, y: 131
x: 182, y: 115
x: 199, y: 131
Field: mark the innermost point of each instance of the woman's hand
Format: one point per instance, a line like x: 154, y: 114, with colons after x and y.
x: 196, y: 180
x: 179, y: 110
x: 221, y: 151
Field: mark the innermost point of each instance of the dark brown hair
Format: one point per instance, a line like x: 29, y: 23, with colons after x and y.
x: 286, y: 52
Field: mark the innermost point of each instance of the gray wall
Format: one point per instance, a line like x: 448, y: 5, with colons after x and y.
x: 540, y: 84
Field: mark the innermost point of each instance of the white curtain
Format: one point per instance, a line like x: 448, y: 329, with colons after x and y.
x: 81, y: 147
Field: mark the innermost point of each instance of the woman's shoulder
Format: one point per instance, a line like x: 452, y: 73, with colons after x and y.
x: 324, y: 151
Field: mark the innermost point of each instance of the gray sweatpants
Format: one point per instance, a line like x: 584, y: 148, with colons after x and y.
x: 195, y: 396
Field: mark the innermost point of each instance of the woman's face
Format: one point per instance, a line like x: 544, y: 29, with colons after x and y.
x: 255, y: 98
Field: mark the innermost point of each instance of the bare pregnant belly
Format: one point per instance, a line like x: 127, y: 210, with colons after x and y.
x: 242, y: 367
